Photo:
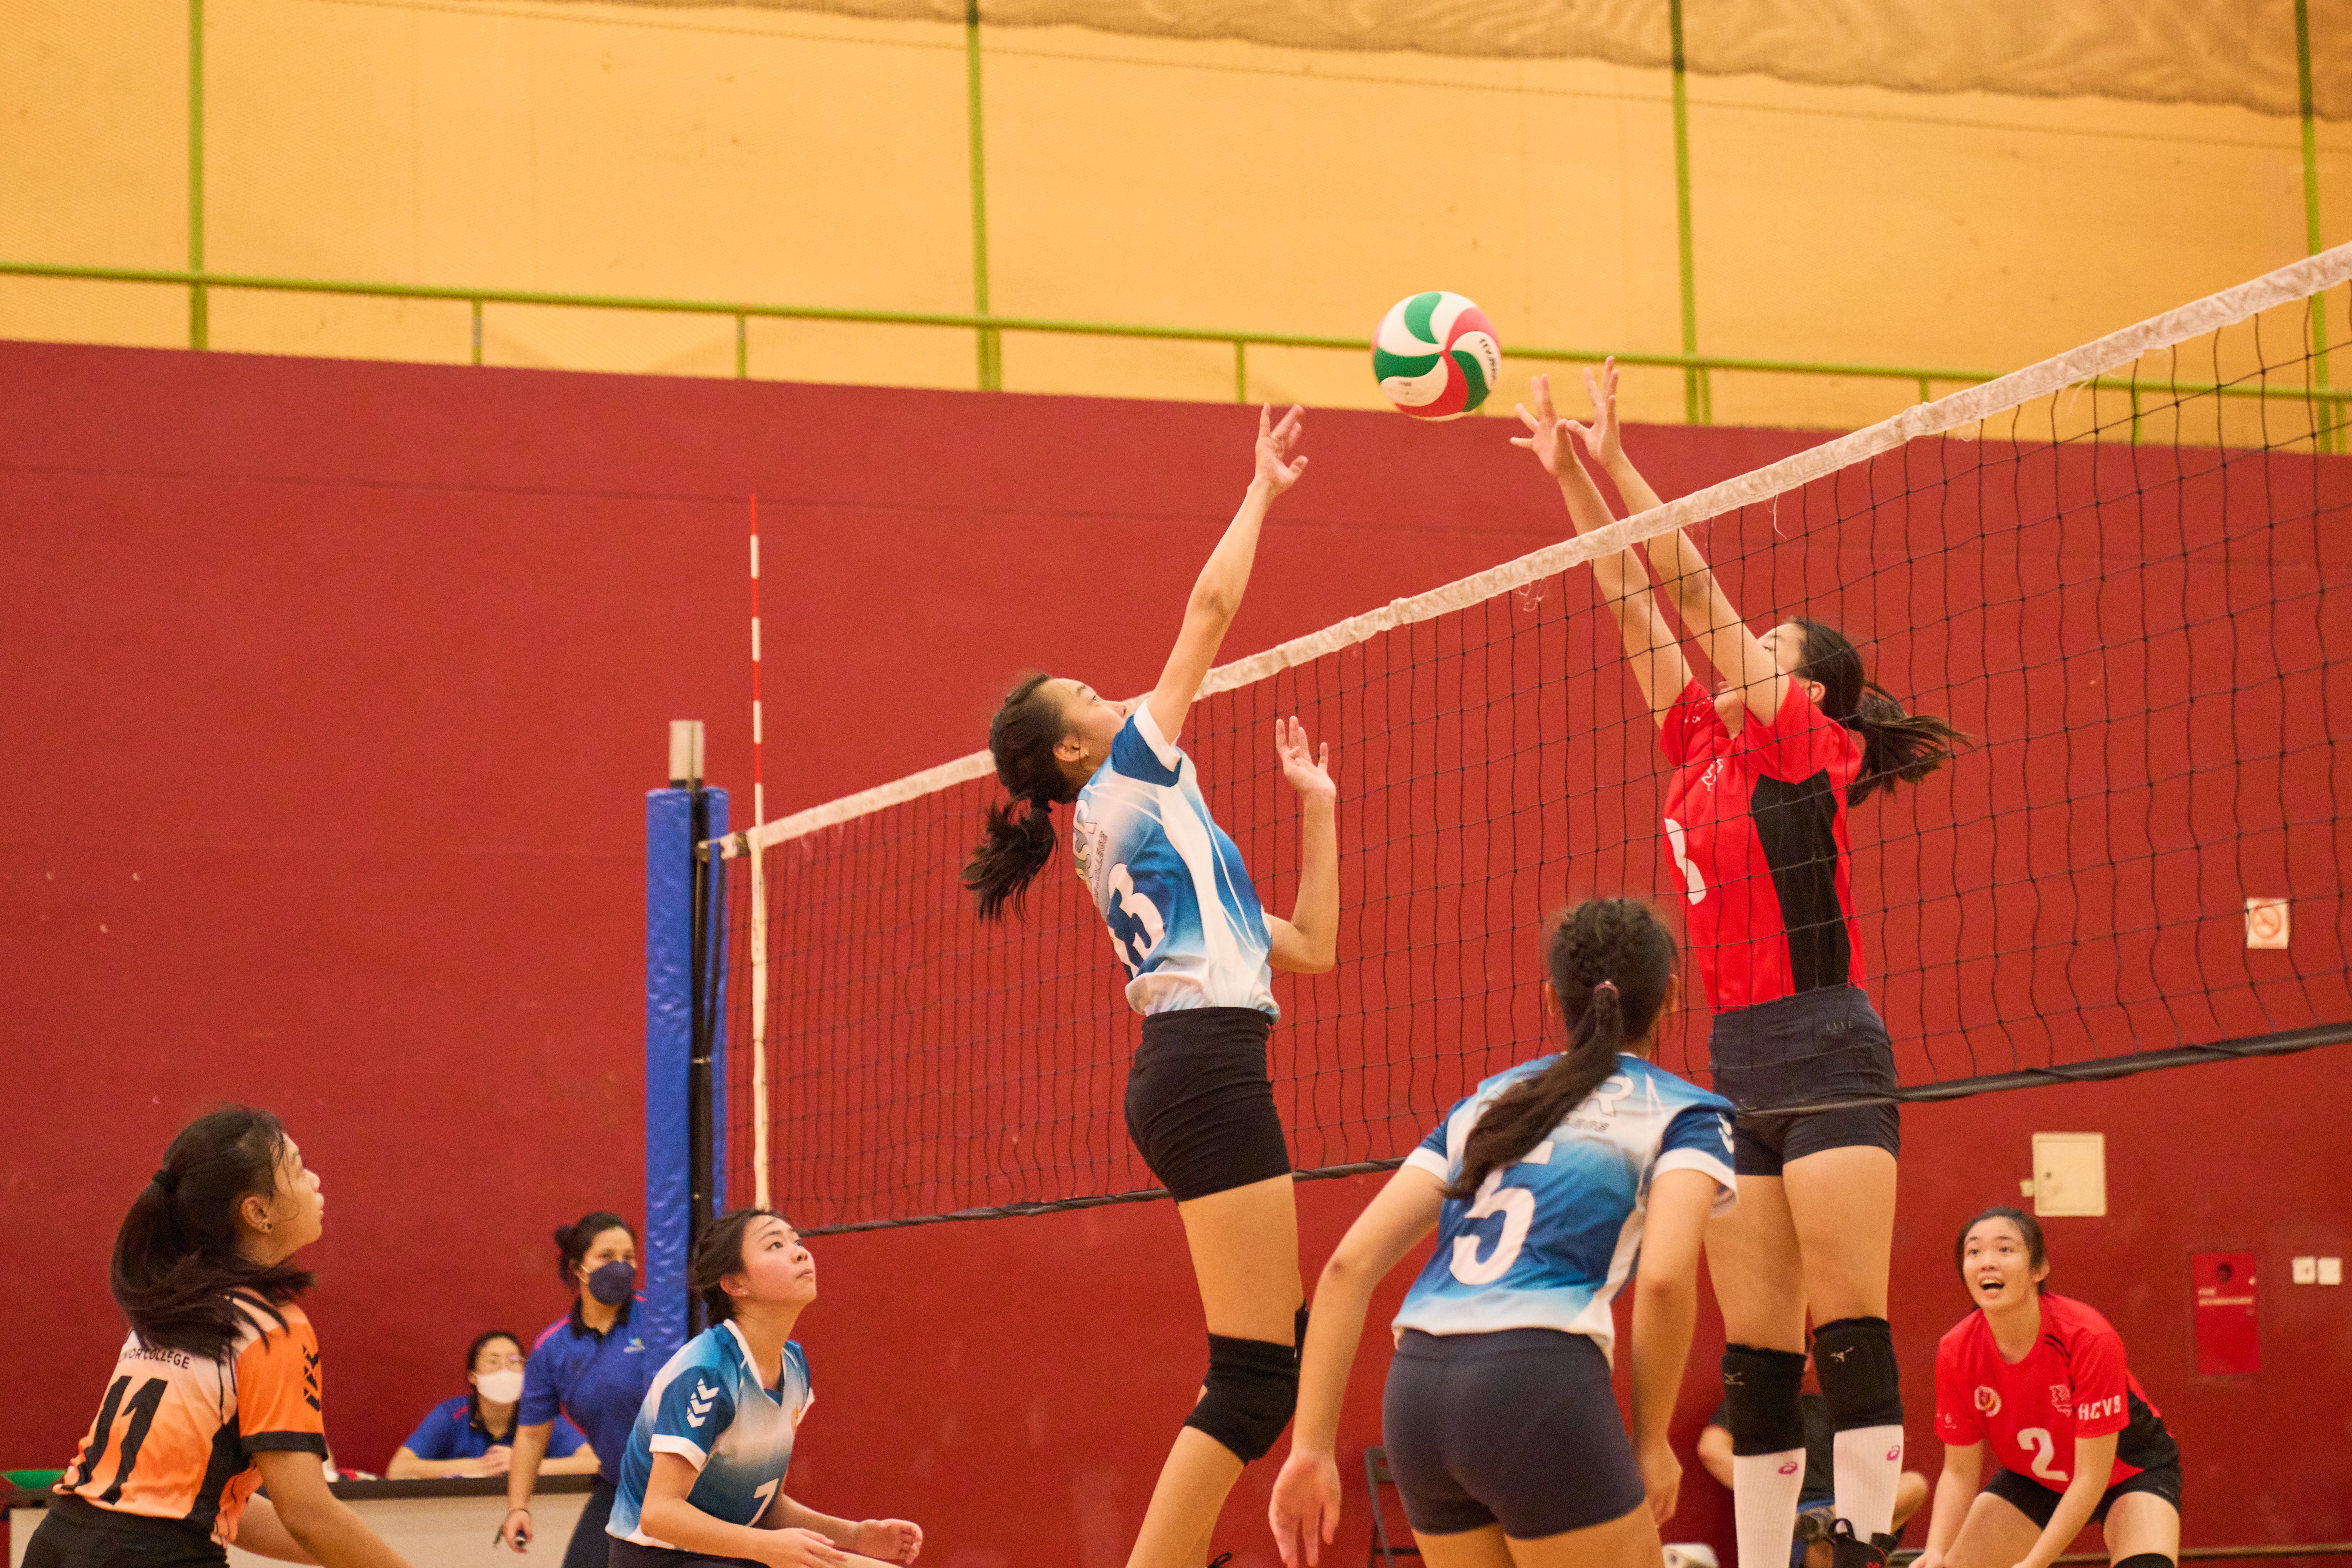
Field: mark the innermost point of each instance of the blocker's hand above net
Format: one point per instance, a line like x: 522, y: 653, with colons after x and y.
x: 1547, y: 435
x: 1600, y: 437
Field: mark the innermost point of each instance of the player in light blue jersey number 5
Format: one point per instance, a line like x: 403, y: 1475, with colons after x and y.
x: 1550, y: 1188
x: 1199, y: 955
x: 703, y: 1475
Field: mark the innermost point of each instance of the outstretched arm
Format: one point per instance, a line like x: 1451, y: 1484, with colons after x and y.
x: 1217, y: 592
x: 1659, y: 668
x: 1309, y: 942
x: 1305, y: 1512
x: 1689, y: 584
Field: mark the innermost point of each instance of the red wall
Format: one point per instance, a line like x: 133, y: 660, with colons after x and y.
x: 331, y: 692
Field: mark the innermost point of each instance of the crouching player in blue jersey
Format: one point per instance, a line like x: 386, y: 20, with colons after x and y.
x: 1545, y: 1187
x: 702, y: 1479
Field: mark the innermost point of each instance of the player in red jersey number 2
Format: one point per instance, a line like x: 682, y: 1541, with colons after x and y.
x: 2041, y: 1380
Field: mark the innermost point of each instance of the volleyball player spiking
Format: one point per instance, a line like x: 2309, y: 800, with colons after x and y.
x: 1764, y: 771
x: 1199, y: 952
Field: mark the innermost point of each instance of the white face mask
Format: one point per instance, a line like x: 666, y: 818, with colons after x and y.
x: 498, y: 1387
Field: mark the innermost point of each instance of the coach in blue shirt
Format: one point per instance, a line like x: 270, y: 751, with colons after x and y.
x: 473, y: 1434
x: 592, y: 1365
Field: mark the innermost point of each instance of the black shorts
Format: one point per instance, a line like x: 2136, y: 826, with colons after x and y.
x: 2038, y: 1502
x: 1816, y: 1045
x: 630, y: 1554
x: 1518, y: 1427
x: 1200, y: 1106
x: 79, y: 1534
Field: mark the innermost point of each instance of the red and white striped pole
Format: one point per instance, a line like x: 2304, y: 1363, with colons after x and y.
x: 758, y: 883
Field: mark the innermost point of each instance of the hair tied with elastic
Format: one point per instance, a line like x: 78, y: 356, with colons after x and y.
x: 1608, y: 985
x: 169, y: 1182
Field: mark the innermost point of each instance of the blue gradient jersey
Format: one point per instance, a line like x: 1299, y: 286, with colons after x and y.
x: 1548, y: 1242
x: 708, y: 1406
x: 1169, y: 884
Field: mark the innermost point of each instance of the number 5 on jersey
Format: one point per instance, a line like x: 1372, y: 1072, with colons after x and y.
x: 1518, y: 1207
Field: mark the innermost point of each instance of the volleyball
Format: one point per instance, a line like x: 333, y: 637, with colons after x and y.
x: 1436, y: 356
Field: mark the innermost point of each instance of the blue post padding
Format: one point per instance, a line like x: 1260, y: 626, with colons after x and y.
x: 716, y: 913
x: 670, y: 1046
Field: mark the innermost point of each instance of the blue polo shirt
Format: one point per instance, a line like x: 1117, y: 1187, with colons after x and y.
x: 598, y: 1380
x: 453, y: 1431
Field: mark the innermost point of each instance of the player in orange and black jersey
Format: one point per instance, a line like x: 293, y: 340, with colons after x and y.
x: 1765, y: 767
x: 216, y: 1390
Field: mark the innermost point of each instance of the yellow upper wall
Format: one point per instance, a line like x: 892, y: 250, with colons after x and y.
x: 800, y: 159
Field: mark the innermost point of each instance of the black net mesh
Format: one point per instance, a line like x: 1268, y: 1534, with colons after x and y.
x: 2124, y: 591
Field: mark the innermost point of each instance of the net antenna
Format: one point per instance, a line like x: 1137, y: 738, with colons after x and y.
x: 758, y: 889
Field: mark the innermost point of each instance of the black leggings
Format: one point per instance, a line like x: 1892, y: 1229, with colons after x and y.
x: 590, y: 1547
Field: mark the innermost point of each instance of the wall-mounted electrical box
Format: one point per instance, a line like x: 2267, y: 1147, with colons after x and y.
x: 2069, y: 1173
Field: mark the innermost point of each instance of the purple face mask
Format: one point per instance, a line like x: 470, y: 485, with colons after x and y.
x: 614, y: 1283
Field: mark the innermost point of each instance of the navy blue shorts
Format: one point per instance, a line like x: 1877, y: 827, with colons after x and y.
x: 1817, y: 1045
x: 1518, y: 1427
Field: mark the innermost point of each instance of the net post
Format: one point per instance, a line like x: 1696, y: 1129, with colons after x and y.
x: 478, y: 330
x: 685, y: 1001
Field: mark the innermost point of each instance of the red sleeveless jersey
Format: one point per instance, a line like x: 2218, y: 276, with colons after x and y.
x: 2072, y: 1383
x: 1755, y: 824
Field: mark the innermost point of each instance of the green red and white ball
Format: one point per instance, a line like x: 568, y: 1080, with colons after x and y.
x: 1436, y: 355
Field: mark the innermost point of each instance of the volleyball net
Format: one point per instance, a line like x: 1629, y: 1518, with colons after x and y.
x: 2123, y: 570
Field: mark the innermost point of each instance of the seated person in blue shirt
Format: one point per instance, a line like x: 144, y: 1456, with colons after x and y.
x: 473, y: 1434
x: 702, y: 1479
x: 1816, y: 1501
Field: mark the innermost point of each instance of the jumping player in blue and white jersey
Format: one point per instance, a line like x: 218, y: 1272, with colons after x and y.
x: 1198, y: 953
x: 702, y: 1477
x: 1550, y: 1188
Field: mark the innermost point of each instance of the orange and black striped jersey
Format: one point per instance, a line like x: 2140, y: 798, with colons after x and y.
x: 175, y: 1435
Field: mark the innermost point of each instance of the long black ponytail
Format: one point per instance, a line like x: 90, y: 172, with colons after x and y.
x: 176, y: 1261
x: 1896, y: 747
x: 1017, y: 837
x: 1610, y: 962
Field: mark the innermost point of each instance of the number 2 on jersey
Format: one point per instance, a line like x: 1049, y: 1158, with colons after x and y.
x: 2045, y: 1453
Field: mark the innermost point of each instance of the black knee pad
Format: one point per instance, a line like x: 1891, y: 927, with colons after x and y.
x: 1855, y: 1359
x: 1762, y: 1395
x: 2145, y: 1560
x: 1249, y: 1394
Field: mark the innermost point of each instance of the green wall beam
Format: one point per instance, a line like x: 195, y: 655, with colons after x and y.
x: 2330, y: 439
x: 991, y: 346
x: 199, y: 307
x: 1698, y: 399
x: 969, y: 320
